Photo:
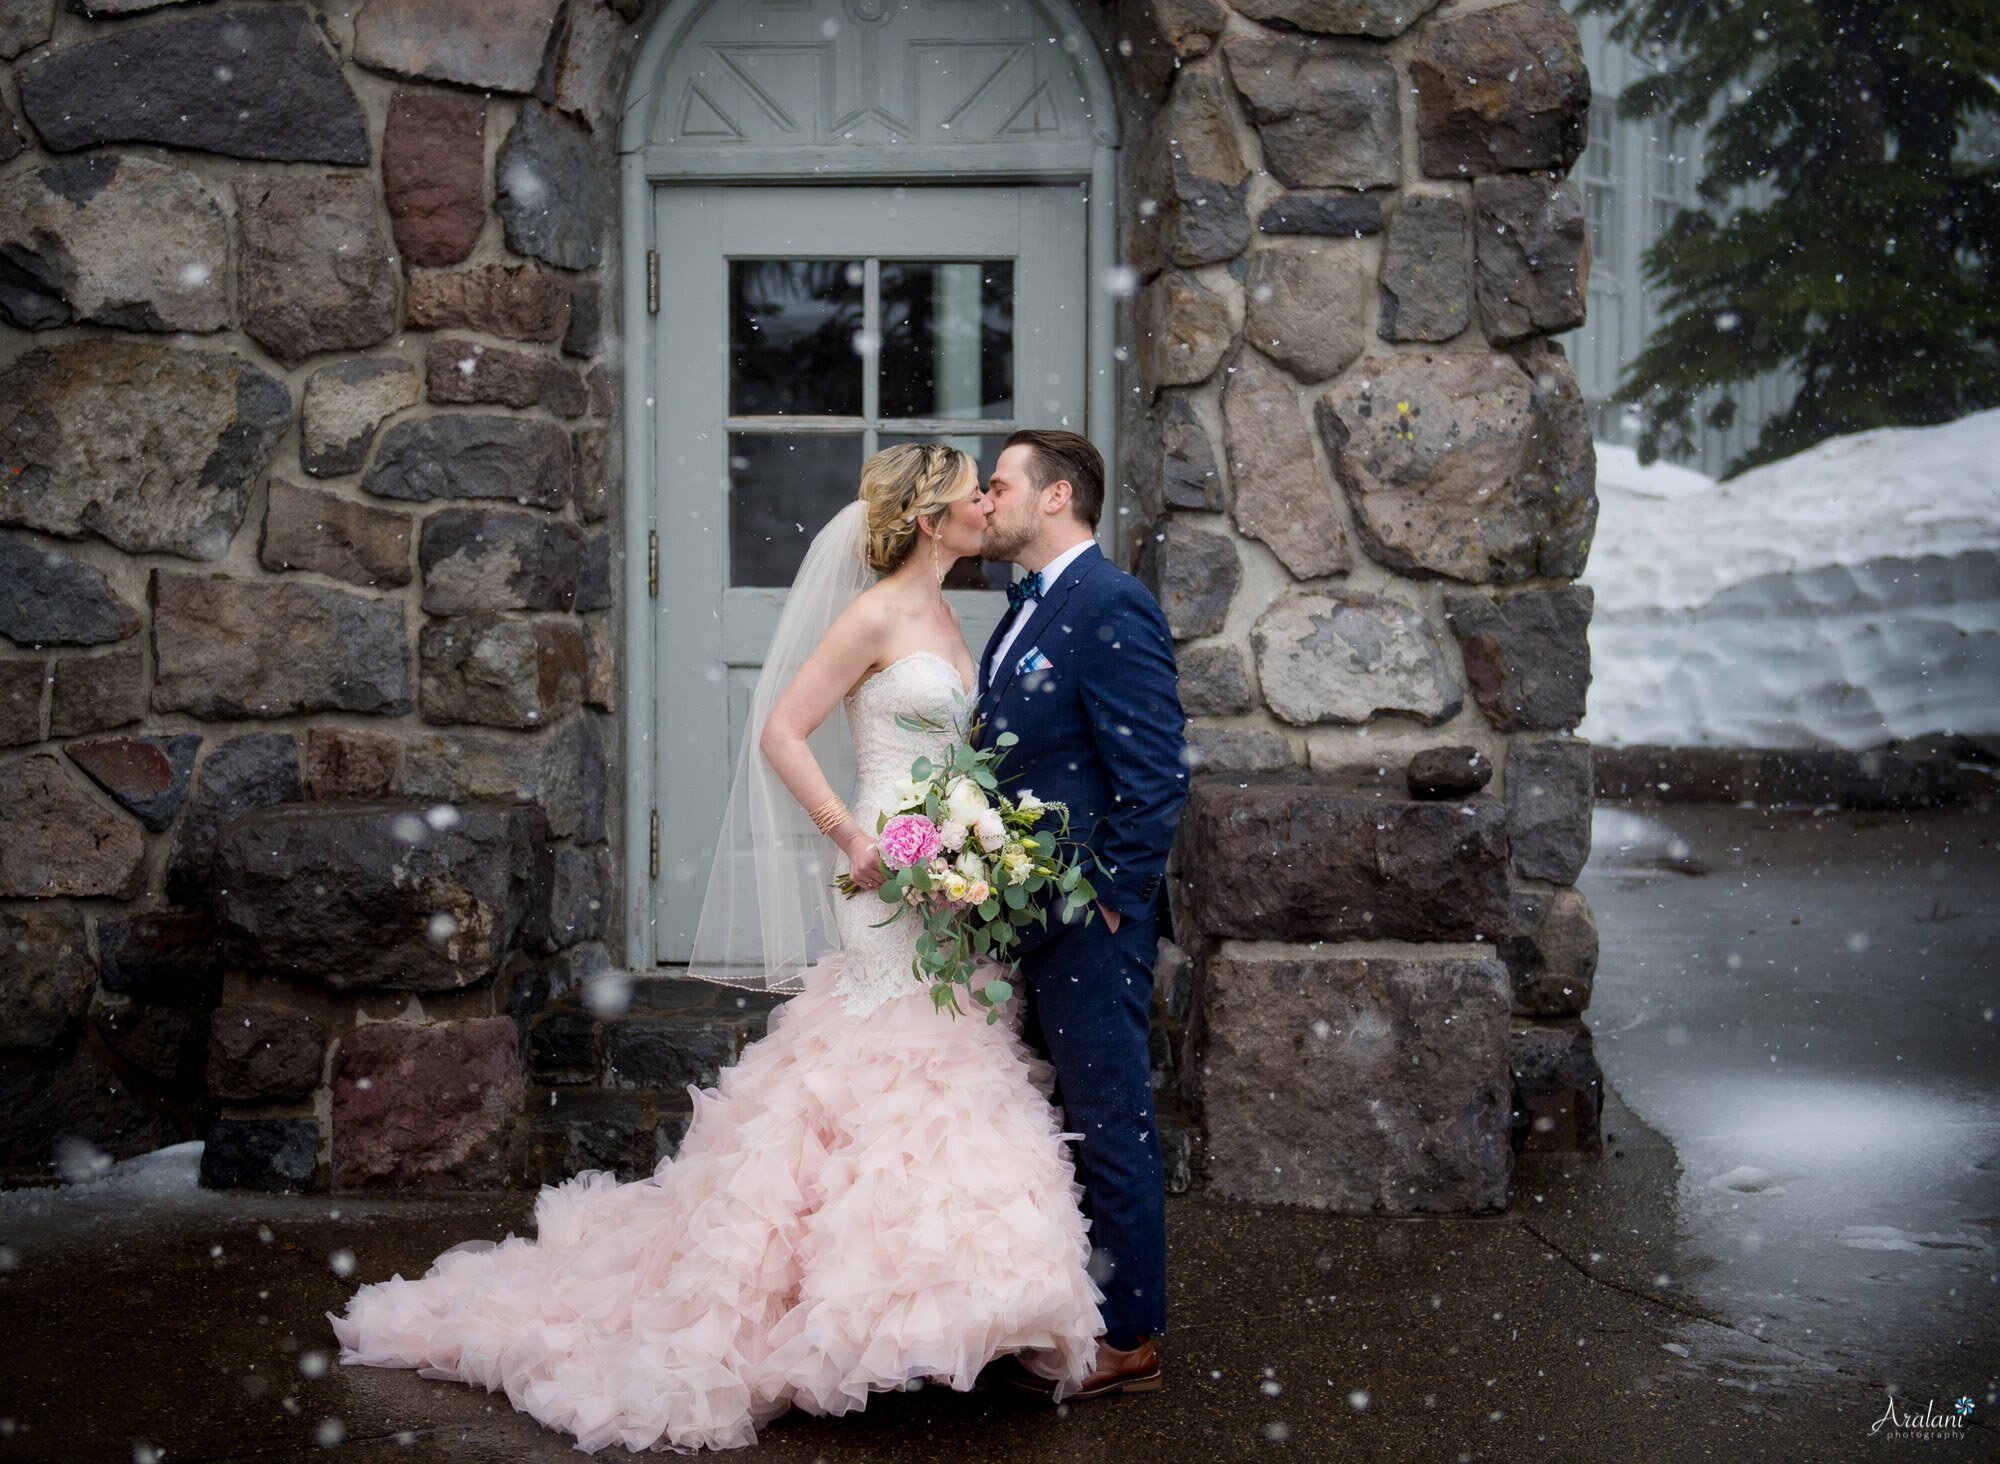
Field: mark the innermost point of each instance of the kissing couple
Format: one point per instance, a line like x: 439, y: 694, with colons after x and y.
x: 880, y: 1191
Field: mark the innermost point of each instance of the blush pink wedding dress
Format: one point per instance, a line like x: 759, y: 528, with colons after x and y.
x: 876, y: 1192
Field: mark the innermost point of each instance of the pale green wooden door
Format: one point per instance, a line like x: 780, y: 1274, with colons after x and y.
x: 799, y: 330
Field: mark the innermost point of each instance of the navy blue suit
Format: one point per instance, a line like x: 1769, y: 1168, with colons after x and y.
x: 1091, y: 689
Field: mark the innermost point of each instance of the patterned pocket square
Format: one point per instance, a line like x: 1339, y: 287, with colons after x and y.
x: 1033, y: 661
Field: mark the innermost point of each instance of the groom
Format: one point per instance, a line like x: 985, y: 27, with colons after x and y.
x: 1082, y: 670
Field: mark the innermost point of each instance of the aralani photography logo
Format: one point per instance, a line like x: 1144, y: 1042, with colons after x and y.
x: 1903, y: 1421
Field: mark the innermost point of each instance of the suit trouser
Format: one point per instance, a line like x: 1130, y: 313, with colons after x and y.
x: 1090, y: 1013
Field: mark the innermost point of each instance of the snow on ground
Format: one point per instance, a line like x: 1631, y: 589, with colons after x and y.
x: 1842, y: 597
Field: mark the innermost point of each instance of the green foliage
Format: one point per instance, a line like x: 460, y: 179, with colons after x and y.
x: 1838, y: 237
x: 966, y: 948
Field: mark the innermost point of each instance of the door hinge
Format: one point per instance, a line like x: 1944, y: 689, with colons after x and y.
x: 653, y: 848
x: 652, y: 282
x: 653, y: 563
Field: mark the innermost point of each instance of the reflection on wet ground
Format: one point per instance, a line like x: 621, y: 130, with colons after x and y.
x: 1826, y: 1230
x: 1805, y: 1006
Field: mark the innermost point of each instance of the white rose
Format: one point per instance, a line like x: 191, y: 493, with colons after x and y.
x: 971, y: 866
x: 964, y: 800
x: 951, y: 833
x: 992, y: 833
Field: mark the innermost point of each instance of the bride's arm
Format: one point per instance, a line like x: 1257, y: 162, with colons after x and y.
x: 835, y: 666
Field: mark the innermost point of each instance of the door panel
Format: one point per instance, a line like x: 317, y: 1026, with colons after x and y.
x: 801, y: 329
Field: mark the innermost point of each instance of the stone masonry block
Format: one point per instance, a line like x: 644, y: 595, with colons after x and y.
x: 56, y: 840
x: 1192, y: 573
x: 1195, y: 174
x: 1327, y: 115
x: 376, y: 896
x: 1275, y: 860
x: 1548, y: 807
x: 1426, y: 270
x: 96, y: 693
x: 1501, y: 90
x: 256, y: 770
x: 1532, y: 248
x: 1551, y: 953
x: 315, y: 271
x: 1351, y: 658
x: 1307, y: 299
x: 229, y: 649
x: 326, y: 534
x: 1277, y: 492
x: 1358, y: 1085
x: 1527, y: 654
x: 434, y: 175
x: 344, y: 404
x: 501, y: 672
x: 274, y: 1154
x: 260, y: 1054
x: 46, y: 976
x: 1470, y: 466
x: 259, y: 83
x: 73, y: 417
x: 118, y: 241
x: 1182, y: 329
x: 425, y: 1107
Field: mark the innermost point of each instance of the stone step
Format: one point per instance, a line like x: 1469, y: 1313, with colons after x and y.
x: 668, y: 1034
x: 609, y: 1089
x: 628, y: 1131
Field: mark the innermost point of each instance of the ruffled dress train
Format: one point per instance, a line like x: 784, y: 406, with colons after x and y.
x: 872, y: 1194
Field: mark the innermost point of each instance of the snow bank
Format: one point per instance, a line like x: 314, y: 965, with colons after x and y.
x: 1842, y: 597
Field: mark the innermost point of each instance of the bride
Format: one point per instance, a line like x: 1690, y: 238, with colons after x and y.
x: 878, y: 1191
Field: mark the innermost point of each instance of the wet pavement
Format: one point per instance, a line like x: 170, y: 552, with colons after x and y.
x: 1826, y: 1231
x: 1807, y: 1007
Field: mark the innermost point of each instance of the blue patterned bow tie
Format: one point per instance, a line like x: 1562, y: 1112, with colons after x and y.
x: 1023, y: 590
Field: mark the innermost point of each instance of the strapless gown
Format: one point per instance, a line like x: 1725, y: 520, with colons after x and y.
x: 876, y: 1192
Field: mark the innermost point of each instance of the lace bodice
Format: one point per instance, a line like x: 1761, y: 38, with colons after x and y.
x: 922, y: 684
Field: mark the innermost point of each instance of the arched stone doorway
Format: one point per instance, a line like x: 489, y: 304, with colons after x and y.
x: 846, y: 223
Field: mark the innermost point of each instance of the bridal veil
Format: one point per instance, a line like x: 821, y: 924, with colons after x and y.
x: 768, y: 913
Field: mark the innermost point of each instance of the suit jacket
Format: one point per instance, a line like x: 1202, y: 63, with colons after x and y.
x: 1091, y: 689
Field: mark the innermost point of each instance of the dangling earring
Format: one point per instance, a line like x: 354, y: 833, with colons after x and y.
x: 937, y: 563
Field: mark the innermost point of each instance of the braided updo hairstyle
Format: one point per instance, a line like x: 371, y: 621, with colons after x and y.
x: 906, y: 482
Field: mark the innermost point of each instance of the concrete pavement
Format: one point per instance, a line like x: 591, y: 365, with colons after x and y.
x: 1614, y: 1313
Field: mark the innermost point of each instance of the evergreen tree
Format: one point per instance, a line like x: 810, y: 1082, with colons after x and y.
x: 1845, y: 233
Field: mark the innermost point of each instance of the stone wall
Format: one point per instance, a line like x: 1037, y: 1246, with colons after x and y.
x: 306, y: 474
x: 308, y: 496
x: 1369, y: 482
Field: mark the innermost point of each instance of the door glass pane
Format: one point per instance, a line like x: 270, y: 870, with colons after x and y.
x: 782, y: 490
x: 792, y: 324
x: 968, y: 574
x: 948, y: 339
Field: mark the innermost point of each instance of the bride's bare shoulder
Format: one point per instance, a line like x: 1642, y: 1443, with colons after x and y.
x: 867, y: 622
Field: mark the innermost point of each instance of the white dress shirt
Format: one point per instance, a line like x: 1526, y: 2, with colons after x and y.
x: 1051, y: 572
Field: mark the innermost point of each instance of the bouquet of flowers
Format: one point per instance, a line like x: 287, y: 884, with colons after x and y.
x: 975, y: 865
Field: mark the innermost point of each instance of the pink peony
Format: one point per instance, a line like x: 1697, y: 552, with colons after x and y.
x: 907, y: 839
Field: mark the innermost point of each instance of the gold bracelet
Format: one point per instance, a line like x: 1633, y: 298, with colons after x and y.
x: 829, y: 815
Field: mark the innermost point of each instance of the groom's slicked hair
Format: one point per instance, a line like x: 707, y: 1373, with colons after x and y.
x: 1059, y: 455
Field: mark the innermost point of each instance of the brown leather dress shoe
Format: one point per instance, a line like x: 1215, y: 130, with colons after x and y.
x: 1136, y: 1371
